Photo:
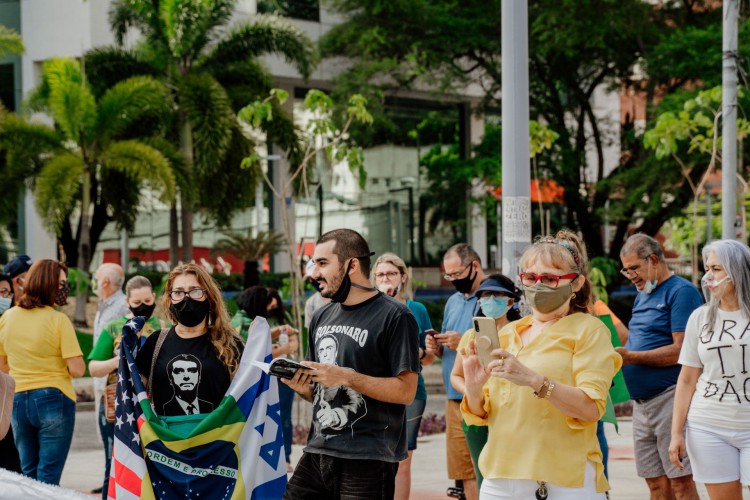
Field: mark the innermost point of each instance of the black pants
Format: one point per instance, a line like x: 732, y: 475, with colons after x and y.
x: 9, y: 454
x: 322, y: 477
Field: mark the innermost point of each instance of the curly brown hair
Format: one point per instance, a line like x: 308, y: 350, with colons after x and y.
x: 223, y: 337
x: 566, y: 252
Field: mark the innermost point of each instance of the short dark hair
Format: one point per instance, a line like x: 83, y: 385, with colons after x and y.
x: 42, y: 283
x: 349, y: 245
x: 465, y: 252
x: 183, y: 357
x: 254, y: 301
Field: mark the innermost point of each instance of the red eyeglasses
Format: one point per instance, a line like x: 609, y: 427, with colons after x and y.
x: 550, y: 280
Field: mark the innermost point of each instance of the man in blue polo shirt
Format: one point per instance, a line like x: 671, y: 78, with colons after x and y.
x: 463, y: 268
x: 656, y: 330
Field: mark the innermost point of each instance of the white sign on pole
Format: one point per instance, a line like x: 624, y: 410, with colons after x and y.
x: 517, y: 219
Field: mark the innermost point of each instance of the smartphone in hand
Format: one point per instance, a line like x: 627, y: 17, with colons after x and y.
x: 485, y: 339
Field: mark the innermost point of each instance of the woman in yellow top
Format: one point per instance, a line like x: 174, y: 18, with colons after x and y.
x: 39, y: 346
x: 543, y: 396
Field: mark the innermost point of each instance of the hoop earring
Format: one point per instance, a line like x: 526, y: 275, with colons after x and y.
x: 573, y: 297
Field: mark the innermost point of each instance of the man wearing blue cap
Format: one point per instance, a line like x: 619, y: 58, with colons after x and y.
x: 16, y: 269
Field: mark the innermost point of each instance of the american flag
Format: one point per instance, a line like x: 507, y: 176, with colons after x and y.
x: 128, y: 465
x: 236, y: 451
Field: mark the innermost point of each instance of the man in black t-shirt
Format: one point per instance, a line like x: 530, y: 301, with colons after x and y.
x: 364, y: 358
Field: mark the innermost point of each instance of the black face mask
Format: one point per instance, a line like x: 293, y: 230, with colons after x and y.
x: 61, y: 297
x: 343, y: 292
x: 464, y: 285
x: 145, y: 310
x: 190, y: 312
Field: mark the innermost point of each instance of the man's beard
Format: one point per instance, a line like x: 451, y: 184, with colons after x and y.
x: 332, y: 286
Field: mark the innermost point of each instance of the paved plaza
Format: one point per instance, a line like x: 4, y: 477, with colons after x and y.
x: 83, y: 469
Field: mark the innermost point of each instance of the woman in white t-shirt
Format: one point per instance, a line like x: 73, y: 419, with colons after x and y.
x: 713, y: 391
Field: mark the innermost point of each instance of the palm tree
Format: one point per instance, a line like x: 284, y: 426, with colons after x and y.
x: 213, y: 71
x: 250, y: 249
x: 89, y: 167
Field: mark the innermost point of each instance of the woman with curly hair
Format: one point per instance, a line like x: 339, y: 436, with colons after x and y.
x: 197, y: 358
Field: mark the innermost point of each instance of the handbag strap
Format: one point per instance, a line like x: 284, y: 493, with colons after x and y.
x: 159, y: 341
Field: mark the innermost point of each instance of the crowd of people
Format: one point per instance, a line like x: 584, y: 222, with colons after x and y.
x: 524, y: 405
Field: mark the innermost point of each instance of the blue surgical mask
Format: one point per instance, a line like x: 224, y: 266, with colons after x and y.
x: 650, y: 286
x: 494, y: 307
x: 5, y: 304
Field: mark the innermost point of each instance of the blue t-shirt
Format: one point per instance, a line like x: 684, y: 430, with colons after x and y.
x: 423, y: 321
x: 655, y: 318
x: 457, y: 318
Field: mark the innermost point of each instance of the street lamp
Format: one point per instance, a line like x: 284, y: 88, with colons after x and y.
x: 410, y: 191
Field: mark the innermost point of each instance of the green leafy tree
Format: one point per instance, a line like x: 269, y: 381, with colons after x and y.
x: 691, y: 138
x: 212, y: 69
x: 10, y: 42
x: 250, y: 249
x: 87, y: 170
x: 326, y: 134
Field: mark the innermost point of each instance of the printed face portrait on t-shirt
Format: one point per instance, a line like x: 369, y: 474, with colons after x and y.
x: 184, y: 375
x: 328, y: 348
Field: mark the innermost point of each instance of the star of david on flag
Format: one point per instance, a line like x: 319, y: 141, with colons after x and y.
x: 233, y: 452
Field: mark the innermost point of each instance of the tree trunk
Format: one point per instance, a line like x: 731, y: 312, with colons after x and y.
x: 186, y: 147
x: 84, y: 249
x: 251, y: 274
x: 174, y: 236
x: 422, y: 233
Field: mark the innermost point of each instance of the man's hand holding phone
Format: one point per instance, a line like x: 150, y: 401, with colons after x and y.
x: 448, y: 339
x: 432, y: 344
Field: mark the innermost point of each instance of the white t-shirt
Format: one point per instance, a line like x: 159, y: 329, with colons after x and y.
x: 722, y: 395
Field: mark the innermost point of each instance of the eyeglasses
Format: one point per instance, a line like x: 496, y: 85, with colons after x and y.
x: 550, y: 280
x: 454, y: 276
x: 627, y: 271
x: 390, y: 275
x: 179, y: 295
x: 5, y: 292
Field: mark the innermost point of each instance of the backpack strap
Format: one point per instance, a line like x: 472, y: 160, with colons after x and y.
x: 159, y: 341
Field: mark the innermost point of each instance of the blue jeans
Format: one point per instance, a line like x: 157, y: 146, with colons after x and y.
x: 286, y: 400
x: 43, y: 422
x: 107, y: 432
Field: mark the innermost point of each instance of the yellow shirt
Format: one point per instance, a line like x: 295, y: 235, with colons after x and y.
x: 37, y: 342
x: 528, y: 437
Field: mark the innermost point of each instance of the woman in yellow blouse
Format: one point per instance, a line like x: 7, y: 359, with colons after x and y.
x: 39, y: 346
x: 548, y: 386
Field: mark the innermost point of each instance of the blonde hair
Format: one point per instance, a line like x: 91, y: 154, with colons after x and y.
x: 404, y: 291
x: 566, y: 252
x: 224, y: 338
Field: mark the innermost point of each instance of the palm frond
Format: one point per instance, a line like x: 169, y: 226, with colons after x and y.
x: 187, y: 23
x: 211, y: 118
x: 244, y: 81
x: 267, y: 35
x: 233, y: 179
x: 64, y: 95
x: 142, y: 164
x: 126, y: 14
x: 106, y: 66
x: 57, y: 188
x: 184, y: 180
x: 10, y: 42
x: 248, y: 247
x: 24, y: 143
x: 130, y: 101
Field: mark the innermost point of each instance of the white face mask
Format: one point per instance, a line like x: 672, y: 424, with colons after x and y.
x: 709, y: 284
x: 649, y: 286
x: 5, y: 304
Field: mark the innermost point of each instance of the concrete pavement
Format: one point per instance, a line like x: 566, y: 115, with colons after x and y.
x: 84, y: 468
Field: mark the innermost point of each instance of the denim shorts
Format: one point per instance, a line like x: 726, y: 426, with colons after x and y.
x: 414, y: 414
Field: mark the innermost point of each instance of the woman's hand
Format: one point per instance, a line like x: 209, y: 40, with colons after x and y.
x: 677, y: 451
x: 508, y: 367
x: 475, y: 375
